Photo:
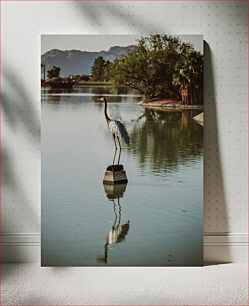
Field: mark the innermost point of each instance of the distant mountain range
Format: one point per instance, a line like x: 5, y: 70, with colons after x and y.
x: 79, y: 62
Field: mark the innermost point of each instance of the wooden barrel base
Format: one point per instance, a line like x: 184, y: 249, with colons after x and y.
x: 115, y: 174
x: 115, y: 168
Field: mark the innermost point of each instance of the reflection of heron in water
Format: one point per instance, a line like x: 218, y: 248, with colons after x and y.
x: 118, y: 131
x: 119, y: 231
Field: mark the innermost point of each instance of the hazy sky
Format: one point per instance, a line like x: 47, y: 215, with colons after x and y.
x: 101, y: 42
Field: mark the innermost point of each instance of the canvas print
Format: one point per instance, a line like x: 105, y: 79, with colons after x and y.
x: 122, y: 150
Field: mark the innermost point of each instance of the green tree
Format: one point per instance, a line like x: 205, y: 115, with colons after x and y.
x: 107, y: 70
x: 163, y: 140
x: 189, y: 75
x: 85, y: 77
x: 54, y: 72
x: 154, y: 65
x: 98, y: 69
x: 149, y: 67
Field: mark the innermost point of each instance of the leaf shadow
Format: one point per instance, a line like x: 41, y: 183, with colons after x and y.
x: 19, y: 115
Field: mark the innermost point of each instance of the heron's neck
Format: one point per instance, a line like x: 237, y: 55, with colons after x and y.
x: 106, y: 116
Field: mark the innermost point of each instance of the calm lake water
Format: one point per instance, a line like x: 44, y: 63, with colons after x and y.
x: 154, y: 220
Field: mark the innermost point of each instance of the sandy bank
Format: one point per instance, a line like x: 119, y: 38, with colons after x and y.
x: 168, y: 104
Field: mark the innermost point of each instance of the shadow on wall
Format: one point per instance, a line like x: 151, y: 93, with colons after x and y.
x: 19, y: 115
x: 18, y: 108
x: 122, y: 15
x: 215, y: 210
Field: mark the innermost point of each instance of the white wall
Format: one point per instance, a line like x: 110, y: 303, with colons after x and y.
x: 224, y: 26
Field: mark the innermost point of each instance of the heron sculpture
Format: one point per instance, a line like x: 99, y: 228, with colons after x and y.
x: 117, y: 129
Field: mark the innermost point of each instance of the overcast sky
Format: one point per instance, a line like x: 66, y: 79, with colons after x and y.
x: 101, y: 42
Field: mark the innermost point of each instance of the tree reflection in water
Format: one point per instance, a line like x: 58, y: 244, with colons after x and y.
x: 166, y: 139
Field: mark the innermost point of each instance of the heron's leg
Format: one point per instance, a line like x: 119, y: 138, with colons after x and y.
x: 120, y: 149
x: 115, y: 152
x: 119, y: 143
x: 114, y: 141
x: 115, y: 148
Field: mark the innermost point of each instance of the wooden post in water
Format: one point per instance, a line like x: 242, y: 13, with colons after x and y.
x: 115, y: 174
